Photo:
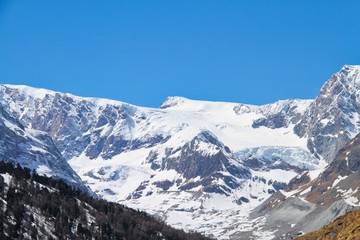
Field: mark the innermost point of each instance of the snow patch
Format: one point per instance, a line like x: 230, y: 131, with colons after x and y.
x: 44, y: 170
x: 340, y: 178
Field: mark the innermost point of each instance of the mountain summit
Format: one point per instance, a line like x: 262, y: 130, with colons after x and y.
x: 333, y: 118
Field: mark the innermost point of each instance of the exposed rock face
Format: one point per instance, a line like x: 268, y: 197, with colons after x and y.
x: 339, y: 180
x: 210, y: 160
x: 33, y: 149
x: 332, y: 120
x: 281, y: 114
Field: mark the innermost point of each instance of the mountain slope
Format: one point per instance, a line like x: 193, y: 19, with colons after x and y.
x: 33, y: 149
x: 35, y: 207
x: 344, y: 227
x: 308, y: 204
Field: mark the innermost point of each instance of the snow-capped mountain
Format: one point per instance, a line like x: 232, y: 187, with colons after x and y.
x: 315, y: 198
x: 332, y: 120
x: 187, y: 154
x: 196, y: 164
x: 33, y: 149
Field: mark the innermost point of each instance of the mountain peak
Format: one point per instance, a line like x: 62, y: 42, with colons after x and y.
x: 350, y: 67
x: 333, y: 118
x: 36, y: 92
x: 352, y: 73
x: 172, y: 101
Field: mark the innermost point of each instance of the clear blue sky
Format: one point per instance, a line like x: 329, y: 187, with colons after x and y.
x: 143, y: 51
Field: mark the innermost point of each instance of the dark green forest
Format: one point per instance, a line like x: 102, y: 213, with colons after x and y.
x: 38, y: 207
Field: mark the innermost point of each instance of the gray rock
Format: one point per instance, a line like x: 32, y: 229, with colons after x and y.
x: 331, y: 121
x: 34, y: 150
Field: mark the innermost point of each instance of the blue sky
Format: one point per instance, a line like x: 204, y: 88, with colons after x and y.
x: 143, y: 51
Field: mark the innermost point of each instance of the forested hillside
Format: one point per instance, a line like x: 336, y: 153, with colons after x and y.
x: 37, y: 207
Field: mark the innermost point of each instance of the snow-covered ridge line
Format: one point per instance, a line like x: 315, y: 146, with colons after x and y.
x: 186, y: 119
x: 39, y: 93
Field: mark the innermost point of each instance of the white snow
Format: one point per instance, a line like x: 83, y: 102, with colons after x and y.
x: 36, y: 92
x: 290, y: 193
x: 276, y: 175
x: 295, y: 156
x: 320, y: 168
x: 353, y: 201
x: 340, y: 178
x: 306, y: 191
x: 325, y: 121
x: 44, y: 170
x: 7, y: 178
